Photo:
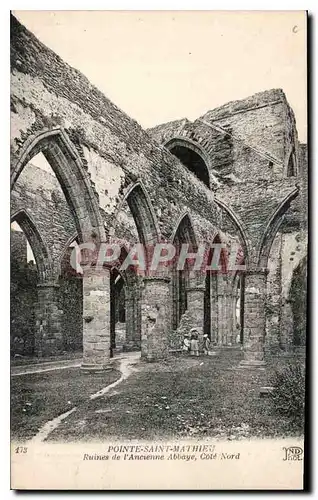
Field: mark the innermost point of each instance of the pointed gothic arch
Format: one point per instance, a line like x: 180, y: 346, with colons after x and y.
x: 272, y: 227
x: 291, y: 163
x: 67, y: 165
x: 184, y: 229
x: 143, y: 213
x: 39, y: 248
x: 182, y: 234
x: 235, y: 219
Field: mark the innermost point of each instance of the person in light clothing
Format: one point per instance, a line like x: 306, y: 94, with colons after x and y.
x: 186, y: 343
x: 194, y: 342
x: 206, y: 344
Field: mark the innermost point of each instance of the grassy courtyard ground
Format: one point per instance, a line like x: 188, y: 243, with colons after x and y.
x: 37, y: 398
x: 183, y: 397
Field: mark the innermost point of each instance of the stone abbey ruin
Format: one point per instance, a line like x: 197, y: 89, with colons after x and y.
x: 82, y: 171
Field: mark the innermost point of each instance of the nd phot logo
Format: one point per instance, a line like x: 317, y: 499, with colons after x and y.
x: 293, y: 453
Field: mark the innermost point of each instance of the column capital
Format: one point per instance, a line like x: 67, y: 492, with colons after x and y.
x: 48, y: 284
x: 228, y: 294
x: 95, y: 270
x: 197, y: 288
x: 149, y: 279
x: 256, y: 271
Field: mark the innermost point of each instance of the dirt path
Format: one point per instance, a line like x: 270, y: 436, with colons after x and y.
x: 17, y: 371
x: 125, y: 368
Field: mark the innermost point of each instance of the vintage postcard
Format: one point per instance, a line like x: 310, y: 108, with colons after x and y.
x: 158, y: 250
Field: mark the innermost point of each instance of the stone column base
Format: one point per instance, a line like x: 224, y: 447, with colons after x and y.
x: 213, y: 353
x: 132, y: 346
x: 250, y: 364
x: 95, y: 368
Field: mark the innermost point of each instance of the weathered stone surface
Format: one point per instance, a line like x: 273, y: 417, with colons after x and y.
x: 113, y: 180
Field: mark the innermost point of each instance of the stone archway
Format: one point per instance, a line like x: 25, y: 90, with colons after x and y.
x: 63, y: 158
x: 39, y: 248
x: 155, y: 296
x: 239, y: 227
x: 74, y: 181
x: 26, y: 280
x: 272, y: 227
x: 117, y: 308
x: 192, y: 156
x: 255, y: 288
x: 180, y: 282
x: 143, y: 213
x: 218, y: 296
x: 125, y: 303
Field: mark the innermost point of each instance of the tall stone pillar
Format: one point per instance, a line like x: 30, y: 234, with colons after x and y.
x: 223, y: 303
x: 96, y: 319
x: 214, y: 309
x: 195, y: 298
x: 155, y: 317
x: 230, y: 329
x: 48, y: 335
x: 274, y: 297
x: 232, y: 311
x: 133, y: 320
x: 225, y: 317
x: 254, y: 318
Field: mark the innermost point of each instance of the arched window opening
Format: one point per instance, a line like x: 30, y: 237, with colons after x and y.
x: 180, y: 278
x: 142, y: 212
x: 213, y: 279
x: 193, y: 162
x: 117, y: 309
x: 291, y: 168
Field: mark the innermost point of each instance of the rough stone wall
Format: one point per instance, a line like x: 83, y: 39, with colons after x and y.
x: 39, y: 194
x: 250, y: 145
x: 298, y: 302
x: 259, y: 121
x: 247, y: 145
x: 116, y: 151
x: 255, y: 211
x: 243, y: 139
x: 46, y: 93
x: 274, y: 297
x: 23, y: 296
x: 18, y: 247
x: 288, y: 251
x: 294, y: 251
